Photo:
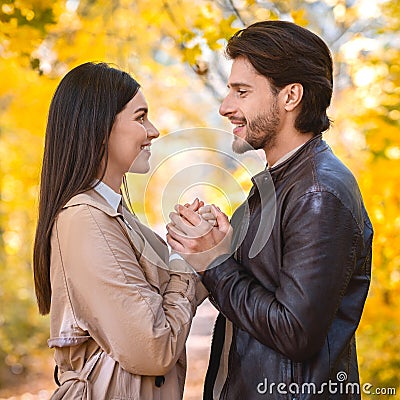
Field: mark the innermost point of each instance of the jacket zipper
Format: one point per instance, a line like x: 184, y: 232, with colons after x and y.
x: 295, y: 378
x: 238, y: 257
x: 224, y: 392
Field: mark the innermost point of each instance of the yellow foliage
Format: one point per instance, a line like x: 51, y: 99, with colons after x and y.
x: 155, y: 40
x: 191, y: 54
x: 299, y: 17
x: 10, y: 76
x: 24, y: 38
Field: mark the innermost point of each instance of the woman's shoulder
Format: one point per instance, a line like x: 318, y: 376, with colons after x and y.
x: 93, y: 199
x: 88, y: 214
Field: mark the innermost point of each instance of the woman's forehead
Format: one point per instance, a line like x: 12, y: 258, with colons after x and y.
x: 137, y: 102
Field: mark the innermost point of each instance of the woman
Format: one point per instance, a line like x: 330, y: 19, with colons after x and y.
x: 119, y: 318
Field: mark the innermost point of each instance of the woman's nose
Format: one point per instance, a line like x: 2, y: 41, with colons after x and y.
x: 152, y: 131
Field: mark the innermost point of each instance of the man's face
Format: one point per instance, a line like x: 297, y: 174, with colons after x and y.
x: 252, y: 107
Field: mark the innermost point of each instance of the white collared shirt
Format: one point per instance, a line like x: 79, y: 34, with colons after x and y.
x: 286, y: 156
x: 113, y: 198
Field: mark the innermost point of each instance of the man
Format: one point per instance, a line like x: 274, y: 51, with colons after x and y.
x: 289, y: 312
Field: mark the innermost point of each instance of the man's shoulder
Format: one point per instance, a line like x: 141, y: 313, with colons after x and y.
x: 324, y: 174
x: 332, y: 175
x: 317, y: 168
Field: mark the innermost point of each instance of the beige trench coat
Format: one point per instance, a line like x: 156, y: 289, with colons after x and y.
x: 119, y: 318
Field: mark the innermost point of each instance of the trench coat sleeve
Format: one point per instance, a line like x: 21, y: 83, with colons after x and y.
x: 319, y: 250
x: 111, y: 298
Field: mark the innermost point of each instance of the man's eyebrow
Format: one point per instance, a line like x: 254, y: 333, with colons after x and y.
x: 238, y: 84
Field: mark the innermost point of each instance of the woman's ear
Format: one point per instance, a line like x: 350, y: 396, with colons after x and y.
x: 293, y: 96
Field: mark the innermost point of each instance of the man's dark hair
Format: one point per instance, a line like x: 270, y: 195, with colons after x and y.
x: 286, y: 53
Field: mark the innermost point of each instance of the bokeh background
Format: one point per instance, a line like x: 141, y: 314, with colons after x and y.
x: 175, y: 50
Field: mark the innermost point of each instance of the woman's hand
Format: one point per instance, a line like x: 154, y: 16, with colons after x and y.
x: 205, y: 211
x: 195, y: 239
x: 196, y: 205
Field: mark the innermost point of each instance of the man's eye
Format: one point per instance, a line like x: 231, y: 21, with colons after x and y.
x: 241, y: 92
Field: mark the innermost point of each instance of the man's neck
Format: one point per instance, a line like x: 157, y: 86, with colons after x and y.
x: 285, y: 144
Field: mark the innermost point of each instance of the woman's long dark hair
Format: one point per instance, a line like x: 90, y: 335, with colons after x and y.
x: 81, y: 115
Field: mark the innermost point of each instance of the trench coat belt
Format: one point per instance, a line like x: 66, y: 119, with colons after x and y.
x: 83, y: 375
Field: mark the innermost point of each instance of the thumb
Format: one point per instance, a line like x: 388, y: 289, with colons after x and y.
x: 194, y: 206
x: 222, y: 219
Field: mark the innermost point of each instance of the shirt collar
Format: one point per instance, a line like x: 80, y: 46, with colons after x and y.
x: 286, y: 156
x: 113, y: 198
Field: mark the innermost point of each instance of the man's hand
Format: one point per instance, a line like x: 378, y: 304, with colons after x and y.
x: 206, y: 212
x: 195, y: 239
x: 203, y: 210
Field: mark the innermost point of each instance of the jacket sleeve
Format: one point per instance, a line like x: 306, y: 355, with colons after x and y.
x: 111, y: 298
x: 318, y: 258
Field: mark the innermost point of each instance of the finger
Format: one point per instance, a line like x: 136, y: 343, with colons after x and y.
x: 216, y: 210
x: 204, y: 209
x: 173, y: 217
x: 222, y: 219
x: 180, y: 244
x: 184, y: 232
x: 172, y: 226
x: 184, y: 226
x: 176, y: 233
x: 175, y: 245
x: 195, y: 205
x: 208, y: 216
x: 190, y: 216
x: 193, y: 228
x: 182, y: 223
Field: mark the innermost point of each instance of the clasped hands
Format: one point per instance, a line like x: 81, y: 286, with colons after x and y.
x: 199, y: 233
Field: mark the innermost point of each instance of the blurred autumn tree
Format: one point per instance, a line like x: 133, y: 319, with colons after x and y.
x: 173, y: 47
x: 375, y: 111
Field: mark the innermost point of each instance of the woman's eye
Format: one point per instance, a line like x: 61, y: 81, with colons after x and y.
x: 141, y: 119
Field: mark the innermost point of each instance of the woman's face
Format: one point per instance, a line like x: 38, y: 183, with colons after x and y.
x: 130, y: 139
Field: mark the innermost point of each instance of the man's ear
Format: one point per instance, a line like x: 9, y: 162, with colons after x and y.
x: 293, y: 93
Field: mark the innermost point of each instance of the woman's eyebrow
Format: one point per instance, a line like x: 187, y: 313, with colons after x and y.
x: 144, y: 109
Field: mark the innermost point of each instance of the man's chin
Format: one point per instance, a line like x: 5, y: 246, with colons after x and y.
x: 240, y: 146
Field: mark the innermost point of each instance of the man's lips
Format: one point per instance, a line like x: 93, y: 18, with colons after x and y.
x: 238, y: 126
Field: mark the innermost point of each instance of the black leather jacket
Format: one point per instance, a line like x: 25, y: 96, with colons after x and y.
x: 296, y: 305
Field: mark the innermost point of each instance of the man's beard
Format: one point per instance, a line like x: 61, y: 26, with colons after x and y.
x: 261, y: 131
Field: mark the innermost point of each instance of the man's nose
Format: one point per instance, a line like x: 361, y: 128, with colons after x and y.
x: 227, y: 106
